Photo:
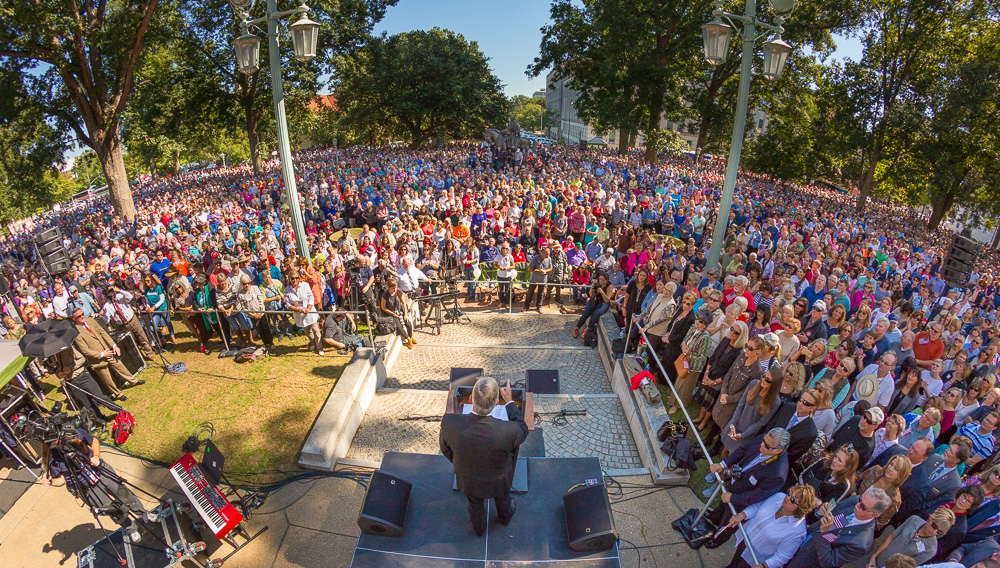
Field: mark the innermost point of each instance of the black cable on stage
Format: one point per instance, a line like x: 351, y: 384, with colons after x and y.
x: 559, y: 418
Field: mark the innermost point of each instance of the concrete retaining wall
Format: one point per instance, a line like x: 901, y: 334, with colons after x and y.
x: 644, y: 419
x: 345, y: 408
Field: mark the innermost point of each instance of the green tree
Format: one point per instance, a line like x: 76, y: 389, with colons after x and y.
x: 944, y: 145
x: 419, y: 85
x: 86, y: 54
x: 531, y: 113
x: 211, y: 26
x: 87, y: 171
x: 30, y: 149
x: 903, y: 42
x: 627, y: 60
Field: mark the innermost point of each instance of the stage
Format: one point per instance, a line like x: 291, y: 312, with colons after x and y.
x: 437, y: 531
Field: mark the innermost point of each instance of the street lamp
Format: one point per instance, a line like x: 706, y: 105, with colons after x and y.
x: 305, y: 34
x: 715, y: 36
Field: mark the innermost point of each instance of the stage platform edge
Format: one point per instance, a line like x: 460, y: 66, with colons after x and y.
x: 437, y: 532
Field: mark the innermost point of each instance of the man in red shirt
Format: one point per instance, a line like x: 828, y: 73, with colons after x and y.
x: 928, y: 346
x: 739, y: 289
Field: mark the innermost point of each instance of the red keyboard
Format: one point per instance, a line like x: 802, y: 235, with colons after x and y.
x: 213, y: 507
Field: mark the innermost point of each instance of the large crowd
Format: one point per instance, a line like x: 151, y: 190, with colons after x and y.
x: 825, y: 351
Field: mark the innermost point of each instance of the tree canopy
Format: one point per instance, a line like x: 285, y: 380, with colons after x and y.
x: 419, y: 85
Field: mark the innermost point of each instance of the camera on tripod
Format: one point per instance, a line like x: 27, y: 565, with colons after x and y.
x: 57, y: 428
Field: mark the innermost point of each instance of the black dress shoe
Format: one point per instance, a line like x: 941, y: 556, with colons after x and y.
x: 139, y: 383
x: 120, y: 397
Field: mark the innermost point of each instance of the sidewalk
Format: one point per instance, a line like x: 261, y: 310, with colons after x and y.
x: 312, y: 524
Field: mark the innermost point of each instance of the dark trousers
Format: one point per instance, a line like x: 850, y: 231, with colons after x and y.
x: 263, y: 330
x: 93, y: 399
x: 477, y: 511
x: 533, y: 290
x: 719, y: 517
x: 737, y: 561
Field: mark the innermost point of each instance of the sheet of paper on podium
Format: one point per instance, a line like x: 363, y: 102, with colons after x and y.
x: 499, y: 412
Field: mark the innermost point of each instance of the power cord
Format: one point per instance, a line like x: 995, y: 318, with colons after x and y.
x: 559, y: 418
x: 202, y: 433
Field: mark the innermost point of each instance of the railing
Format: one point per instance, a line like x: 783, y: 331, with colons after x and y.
x: 692, y: 428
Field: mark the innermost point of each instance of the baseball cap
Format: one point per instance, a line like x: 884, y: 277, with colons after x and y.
x: 875, y: 415
x: 820, y: 305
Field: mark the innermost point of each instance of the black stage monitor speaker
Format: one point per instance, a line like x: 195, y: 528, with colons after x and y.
x: 131, y: 356
x: 589, y: 524
x: 384, y: 509
x: 50, y: 247
x: 542, y: 381
x: 464, y: 377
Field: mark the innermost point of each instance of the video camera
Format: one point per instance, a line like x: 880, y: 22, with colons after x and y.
x: 57, y: 428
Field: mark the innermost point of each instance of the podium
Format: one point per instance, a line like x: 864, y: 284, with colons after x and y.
x: 525, y: 401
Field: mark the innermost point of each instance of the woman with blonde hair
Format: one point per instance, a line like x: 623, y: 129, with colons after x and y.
x: 787, y: 339
x: 719, y: 363
x: 825, y: 417
x: 793, y: 383
x: 759, y: 403
x: 862, y: 321
x: 889, y: 479
x: 833, y: 477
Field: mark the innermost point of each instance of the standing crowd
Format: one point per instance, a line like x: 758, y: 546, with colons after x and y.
x: 825, y: 351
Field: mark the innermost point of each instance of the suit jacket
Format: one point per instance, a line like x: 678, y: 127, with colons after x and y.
x: 849, y: 543
x: 884, y: 457
x: 760, y: 482
x: 483, y: 450
x: 972, y: 553
x: 93, y: 342
x: 803, y: 434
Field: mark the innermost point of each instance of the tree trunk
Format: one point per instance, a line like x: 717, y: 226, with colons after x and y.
x: 153, y: 173
x: 177, y: 162
x: 255, y: 159
x: 940, y: 207
x: 109, y: 152
x: 622, y: 142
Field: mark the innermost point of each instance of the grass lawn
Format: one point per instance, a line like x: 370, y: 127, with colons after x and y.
x: 697, y: 480
x: 261, y: 411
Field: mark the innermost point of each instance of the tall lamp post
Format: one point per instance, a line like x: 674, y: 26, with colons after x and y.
x: 715, y: 35
x: 304, y: 33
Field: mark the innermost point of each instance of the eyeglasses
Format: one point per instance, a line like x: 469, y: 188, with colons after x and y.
x: 807, y: 403
x: 862, y: 506
x: 750, y: 348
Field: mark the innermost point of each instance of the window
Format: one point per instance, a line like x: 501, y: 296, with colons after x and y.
x: 760, y: 124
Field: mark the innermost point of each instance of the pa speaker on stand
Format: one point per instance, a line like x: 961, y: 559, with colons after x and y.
x: 50, y: 249
x: 960, y: 261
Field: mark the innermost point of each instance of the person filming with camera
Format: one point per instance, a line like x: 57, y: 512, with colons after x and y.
x: 75, y: 463
x: 755, y: 471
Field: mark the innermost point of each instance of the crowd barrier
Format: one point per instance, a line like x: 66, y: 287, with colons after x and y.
x: 694, y: 429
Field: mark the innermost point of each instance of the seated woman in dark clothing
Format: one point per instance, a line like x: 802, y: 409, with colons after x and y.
x: 832, y: 478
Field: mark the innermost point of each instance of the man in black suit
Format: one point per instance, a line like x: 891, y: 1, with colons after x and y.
x: 763, y: 464
x: 484, y: 451
x: 917, y: 488
x: 843, y: 534
x: 796, y: 417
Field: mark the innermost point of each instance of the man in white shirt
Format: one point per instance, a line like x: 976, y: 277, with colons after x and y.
x: 118, y: 311
x: 883, y: 373
x: 60, y: 302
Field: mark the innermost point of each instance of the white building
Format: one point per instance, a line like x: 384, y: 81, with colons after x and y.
x: 560, y: 99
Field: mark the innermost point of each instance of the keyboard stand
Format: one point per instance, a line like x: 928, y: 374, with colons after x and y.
x: 236, y: 496
x: 230, y: 539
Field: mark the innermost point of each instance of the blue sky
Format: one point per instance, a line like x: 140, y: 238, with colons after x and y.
x: 508, y: 32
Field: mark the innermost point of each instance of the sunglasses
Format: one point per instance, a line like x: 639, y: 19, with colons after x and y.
x: 806, y: 403
x: 750, y: 348
x: 792, y: 500
x: 862, y: 506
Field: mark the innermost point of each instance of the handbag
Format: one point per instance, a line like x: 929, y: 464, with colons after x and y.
x: 671, y: 429
x: 681, y: 366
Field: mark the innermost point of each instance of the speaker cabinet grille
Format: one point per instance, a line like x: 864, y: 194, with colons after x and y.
x: 383, y: 512
x: 589, y: 524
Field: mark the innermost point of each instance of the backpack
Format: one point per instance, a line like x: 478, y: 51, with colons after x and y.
x: 591, y: 340
x: 121, y: 427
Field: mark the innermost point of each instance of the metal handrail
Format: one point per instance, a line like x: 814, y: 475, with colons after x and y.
x: 693, y: 428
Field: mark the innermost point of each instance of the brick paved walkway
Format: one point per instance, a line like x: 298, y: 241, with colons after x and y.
x: 427, y: 367
x: 505, y: 345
